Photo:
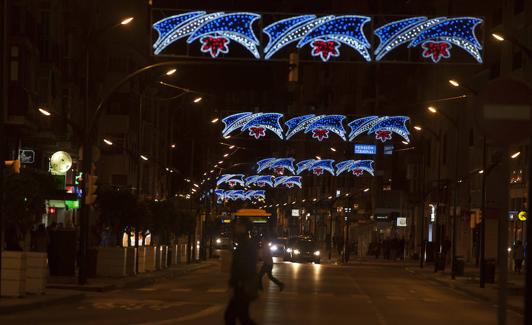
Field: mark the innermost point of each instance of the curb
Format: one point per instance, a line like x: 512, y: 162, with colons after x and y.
x: 154, y: 277
x: 77, y: 297
x: 465, y: 290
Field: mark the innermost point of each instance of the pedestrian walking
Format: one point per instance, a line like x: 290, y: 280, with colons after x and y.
x: 267, y: 266
x: 243, y: 277
x: 518, y: 255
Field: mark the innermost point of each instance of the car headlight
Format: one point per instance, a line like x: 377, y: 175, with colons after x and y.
x: 317, y: 253
x: 270, y: 244
x: 296, y: 251
x: 273, y: 248
x: 218, y: 241
x: 289, y: 250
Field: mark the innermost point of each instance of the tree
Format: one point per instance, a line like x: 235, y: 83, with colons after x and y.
x: 25, y: 202
x: 117, y: 208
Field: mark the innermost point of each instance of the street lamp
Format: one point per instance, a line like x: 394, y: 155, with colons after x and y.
x: 432, y: 109
x: 127, y: 20
x: 497, y: 37
x: 454, y: 83
x: 108, y: 142
x: 214, y: 120
x: 366, y: 189
x: 171, y: 72
x: 333, y: 149
x: 418, y: 128
x: 44, y: 112
x: 198, y: 99
x: 515, y: 155
x: 143, y: 157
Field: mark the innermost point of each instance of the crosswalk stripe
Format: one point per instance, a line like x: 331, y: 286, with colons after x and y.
x: 146, y: 289
x: 181, y: 290
x: 216, y: 290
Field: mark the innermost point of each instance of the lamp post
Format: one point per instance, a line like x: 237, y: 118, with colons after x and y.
x: 436, y: 136
x: 454, y: 123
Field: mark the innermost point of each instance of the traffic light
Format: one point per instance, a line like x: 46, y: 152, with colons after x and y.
x: 14, y: 164
x: 91, y: 188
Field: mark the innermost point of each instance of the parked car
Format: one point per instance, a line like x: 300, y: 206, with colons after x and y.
x: 303, y: 250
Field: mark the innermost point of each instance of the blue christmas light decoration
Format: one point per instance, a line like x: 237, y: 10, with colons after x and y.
x: 317, y: 166
x: 276, y: 164
x: 325, y: 35
x: 320, y: 126
x: 396, y: 124
x: 220, y: 197
x: 255, y: 123
x: 234, y: 195
x: 259, y: 180
x: 214, y: 30
x: 288, y: 181
x: 255, y: 195
x: 383, y: 127
x: 357, y: 167
x: 436, y: 36
x: 231, y: 179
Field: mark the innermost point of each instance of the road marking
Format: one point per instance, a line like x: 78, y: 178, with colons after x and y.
x: 181, y: 290
x: 217, y: 290
x: 146, y: 289
x: 202, y: 313
x: 431, y: 300
x: 395, y: 298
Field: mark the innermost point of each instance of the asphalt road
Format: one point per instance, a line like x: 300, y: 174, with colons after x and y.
x: 315, y: 294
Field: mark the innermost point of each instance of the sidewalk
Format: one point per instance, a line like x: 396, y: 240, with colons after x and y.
x: 468, y: 284
x: 66, y: 289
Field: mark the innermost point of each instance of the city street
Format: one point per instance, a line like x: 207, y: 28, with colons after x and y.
x: 390, y: 141
x: 370, y: 293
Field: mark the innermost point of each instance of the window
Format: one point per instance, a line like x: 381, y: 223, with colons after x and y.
x: 119, y: 179
x: 519, y: 6
x: 495, y: 70
x: 14, y: 66
x: 517, y: 60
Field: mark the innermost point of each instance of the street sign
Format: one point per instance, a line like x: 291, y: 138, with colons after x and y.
x: 365, y: 149
x: 26, y: 156
x: 401, y: 222
x: 503, y: 111
x: 522, y: 216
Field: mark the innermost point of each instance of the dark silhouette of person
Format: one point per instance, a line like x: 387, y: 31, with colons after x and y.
x: 518, y: 255
x: 243, y: 278
x: 267, y: 266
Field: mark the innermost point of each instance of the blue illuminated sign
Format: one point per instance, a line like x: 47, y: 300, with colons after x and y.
x: 365, y: 149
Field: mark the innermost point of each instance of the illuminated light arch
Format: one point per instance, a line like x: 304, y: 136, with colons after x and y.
x: 436, y: 36
x: 317, y: 166
x: 215, y: 31
x: 279, y: 165
x: 231, y: 179
x: 325, y: 35
x: 357, y: 167
x: 288, y: 181
x: 255, y: 123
